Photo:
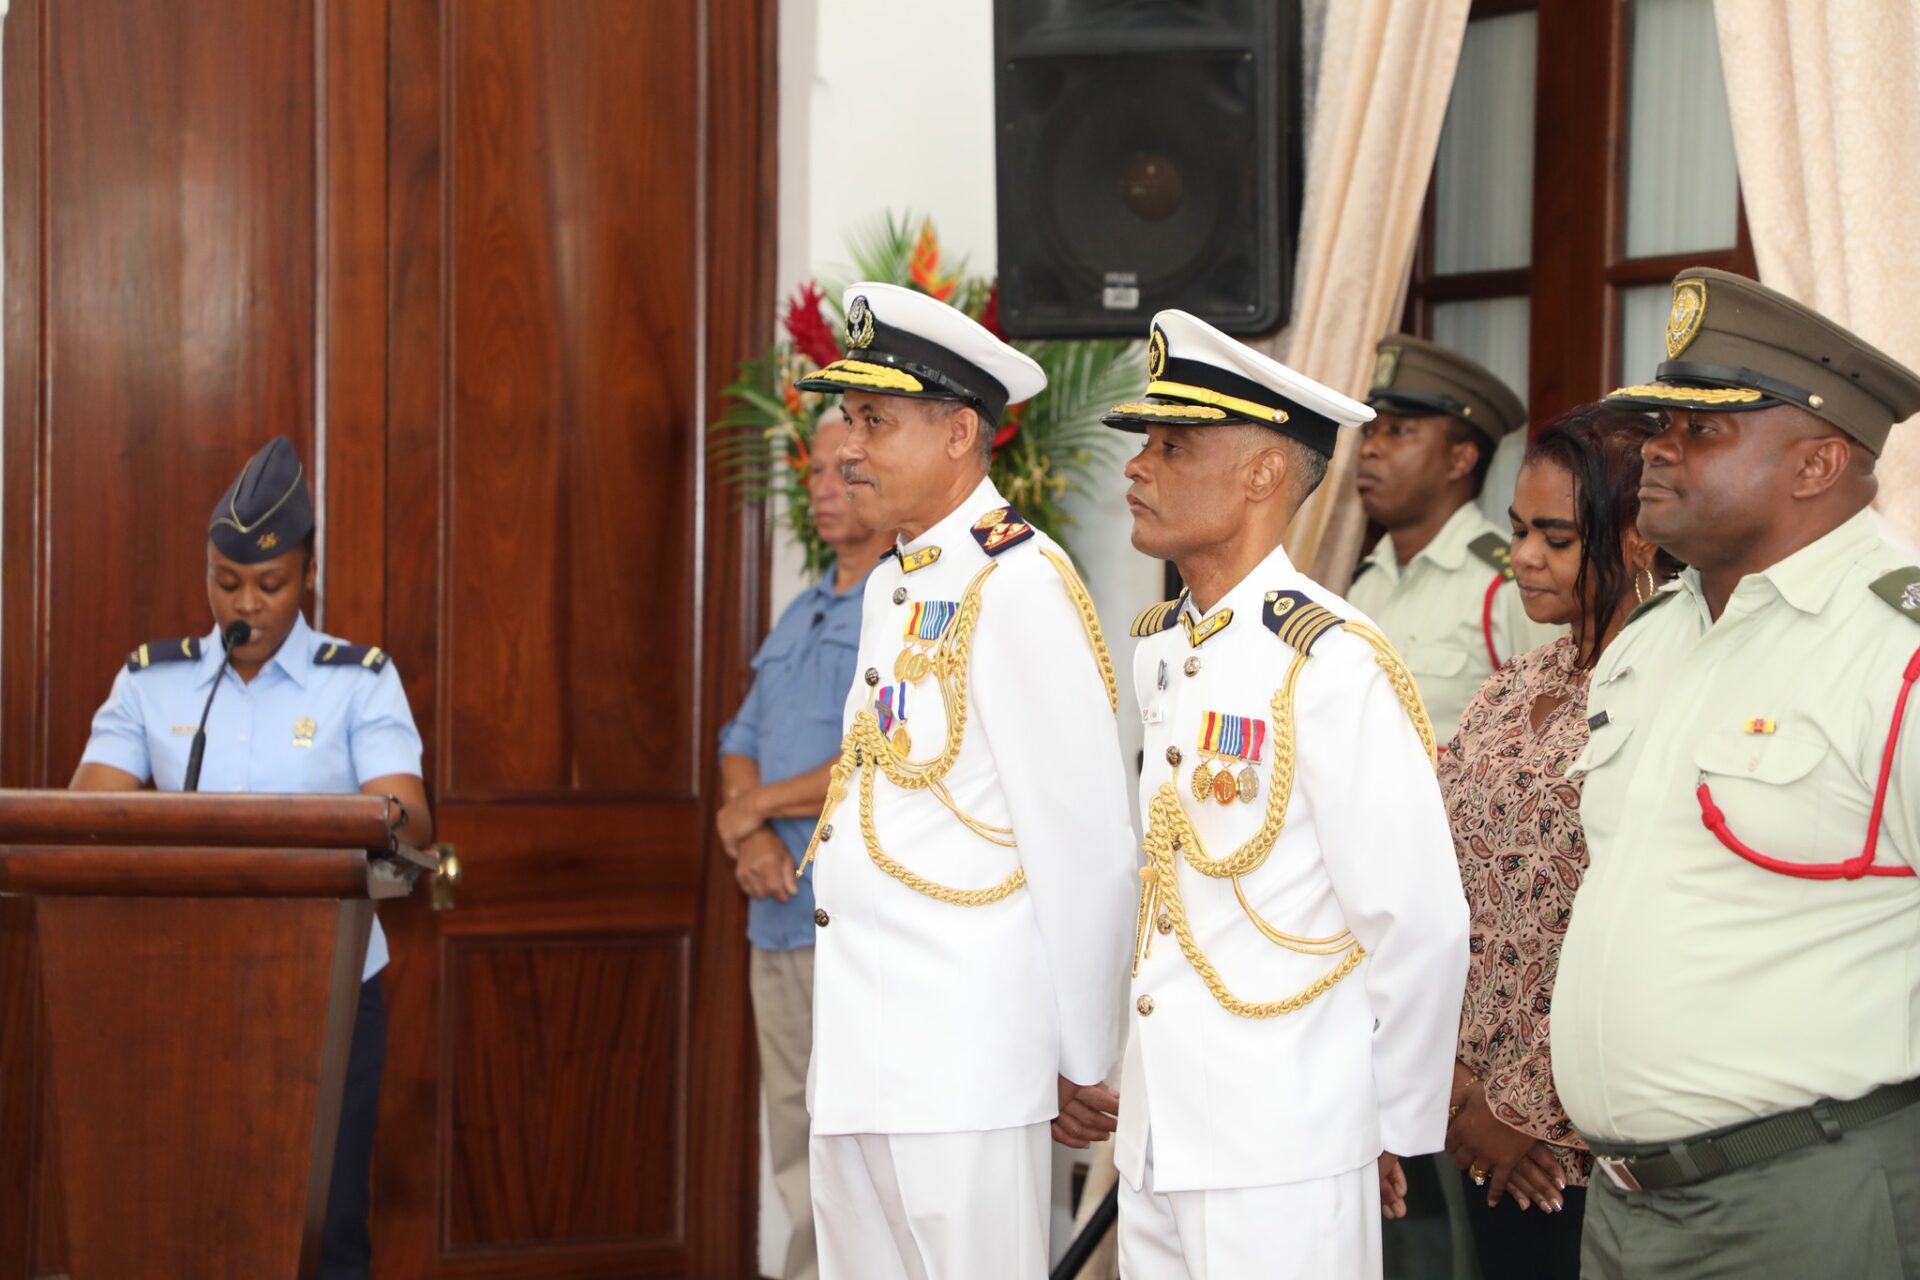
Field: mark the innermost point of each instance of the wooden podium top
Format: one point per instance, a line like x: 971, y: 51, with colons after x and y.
x: 165, y: 844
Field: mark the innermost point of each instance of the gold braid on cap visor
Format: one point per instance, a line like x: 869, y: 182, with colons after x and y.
x: 1702, y: 395
x: 1202, y: 395
x: 863, y: 373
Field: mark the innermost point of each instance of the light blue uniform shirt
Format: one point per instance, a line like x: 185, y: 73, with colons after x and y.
x: 361, y: 728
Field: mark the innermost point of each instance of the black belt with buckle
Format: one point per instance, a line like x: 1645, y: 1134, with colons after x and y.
x: 1658, y: 1166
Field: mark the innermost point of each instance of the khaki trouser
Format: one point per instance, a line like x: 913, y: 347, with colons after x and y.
x: 1850, y: 1208
x: 782, y: 985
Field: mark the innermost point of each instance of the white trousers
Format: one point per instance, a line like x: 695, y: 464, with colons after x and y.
x: 933, y: 1206
x: 1321, y: 1229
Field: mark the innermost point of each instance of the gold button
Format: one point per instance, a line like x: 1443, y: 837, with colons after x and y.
x: 1193, y: 667
x: 820, y: 916
x: 826, y: 833
x: 899, y: 595
x: 1173, y: 756
x: 1164, y: 924
x: 1144, y: 1004
x: 873, y: 676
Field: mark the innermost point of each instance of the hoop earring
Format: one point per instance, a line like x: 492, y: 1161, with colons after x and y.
x: 1639, y: 595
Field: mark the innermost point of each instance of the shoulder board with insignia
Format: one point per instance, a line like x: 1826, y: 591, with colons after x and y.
x: 1901, y: 589
x: 1296, y: 619
x: 1157, y: 618
x: 154, y: 652
x: 1496, y: 551
x: 1651, y: 603
x: 370, y: 656
x: 1001, y: 529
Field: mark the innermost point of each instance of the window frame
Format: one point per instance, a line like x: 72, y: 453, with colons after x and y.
x: 1579, y: 268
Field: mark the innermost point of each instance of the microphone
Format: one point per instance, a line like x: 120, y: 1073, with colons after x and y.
x: 236, y: 633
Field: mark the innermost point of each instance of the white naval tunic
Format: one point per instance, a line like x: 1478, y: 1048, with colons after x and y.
x: 931, y: 1017
x: 1229, y: 1102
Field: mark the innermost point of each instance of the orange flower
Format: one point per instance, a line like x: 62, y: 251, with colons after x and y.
x: 794, y: 404
x: 924, y: 267
x: 799, y: 455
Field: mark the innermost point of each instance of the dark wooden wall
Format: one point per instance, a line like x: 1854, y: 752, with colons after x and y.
x: 487, y: 262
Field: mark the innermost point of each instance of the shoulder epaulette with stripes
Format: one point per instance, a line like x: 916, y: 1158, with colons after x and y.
x: 370, y: 656
x: 1901, y: 589
x: 1297, y: 620
x: 154, y: 652
x: 1001, y: 529
x: 1158, y: 617
x: 1496, y: 551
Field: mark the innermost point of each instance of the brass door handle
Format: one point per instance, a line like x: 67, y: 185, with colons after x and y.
x: 446, y: 880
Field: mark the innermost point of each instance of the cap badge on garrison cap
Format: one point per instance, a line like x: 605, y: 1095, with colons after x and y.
x: 1689, y: 309
x: 1385, y: 365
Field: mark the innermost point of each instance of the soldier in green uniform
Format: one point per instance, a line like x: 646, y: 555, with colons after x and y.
x: 1439, y: 583
x: 1736, y: 1021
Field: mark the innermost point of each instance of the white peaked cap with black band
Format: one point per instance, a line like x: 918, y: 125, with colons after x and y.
x: 901, y: 342
x: 1200, y: 377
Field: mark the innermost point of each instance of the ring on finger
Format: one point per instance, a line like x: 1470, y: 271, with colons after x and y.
x: 1478, y: 1175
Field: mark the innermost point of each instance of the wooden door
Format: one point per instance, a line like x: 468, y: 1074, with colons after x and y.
x: 580, y: 256
x: 488, y: 263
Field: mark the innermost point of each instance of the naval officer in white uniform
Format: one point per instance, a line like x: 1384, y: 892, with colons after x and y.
x: 974, y: 869
x: 1301, y: 933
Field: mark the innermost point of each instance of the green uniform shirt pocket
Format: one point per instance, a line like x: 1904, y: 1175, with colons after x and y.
x: 1771, y: 788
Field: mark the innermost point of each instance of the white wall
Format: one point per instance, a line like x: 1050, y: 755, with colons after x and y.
x: 888, y: 106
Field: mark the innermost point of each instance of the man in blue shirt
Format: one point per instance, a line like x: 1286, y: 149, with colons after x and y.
x: 298, y: 712
x: 775, y: 755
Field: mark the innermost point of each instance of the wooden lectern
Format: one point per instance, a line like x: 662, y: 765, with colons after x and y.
x: 200, y: 960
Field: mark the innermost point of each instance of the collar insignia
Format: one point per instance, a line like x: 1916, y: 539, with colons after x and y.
x: 1212, y: 624
x: 917, y: 559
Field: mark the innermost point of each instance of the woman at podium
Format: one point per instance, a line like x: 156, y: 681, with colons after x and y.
x: 264, y: 703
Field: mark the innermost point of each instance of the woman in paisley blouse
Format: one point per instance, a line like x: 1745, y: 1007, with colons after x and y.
x: 1578, y: 560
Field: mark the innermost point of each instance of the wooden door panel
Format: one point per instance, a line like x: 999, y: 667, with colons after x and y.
x: 579, y: 1017
x: 572, y: 349
x: 570, y: 1130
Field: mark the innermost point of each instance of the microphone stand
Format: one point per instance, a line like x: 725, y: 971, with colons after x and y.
x: 236, y: 633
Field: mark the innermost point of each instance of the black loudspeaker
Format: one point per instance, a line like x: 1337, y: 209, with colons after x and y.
x: 1149, y: 156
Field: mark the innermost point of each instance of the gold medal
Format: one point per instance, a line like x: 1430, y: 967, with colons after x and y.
x: 1202, y: 781
x: 912, y: 666
x: 902, y: 742
x: 1249, y: 785
x: 1224, y: 788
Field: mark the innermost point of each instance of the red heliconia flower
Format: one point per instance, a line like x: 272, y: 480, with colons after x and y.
x: 924, y: 267
x: 812, y: 336
x: 1008, y: 429
x: 990, y: 314
x: 798, y: 456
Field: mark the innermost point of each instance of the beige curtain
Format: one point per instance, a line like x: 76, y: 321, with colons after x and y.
x: 1825, y: 99
x: 1385, y: 70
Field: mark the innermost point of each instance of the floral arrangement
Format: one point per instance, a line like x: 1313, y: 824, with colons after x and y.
x: 1042, y: 451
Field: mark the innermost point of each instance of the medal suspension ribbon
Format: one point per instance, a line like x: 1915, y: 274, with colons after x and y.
x: 1171, y: 835
x: 866, y: 750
